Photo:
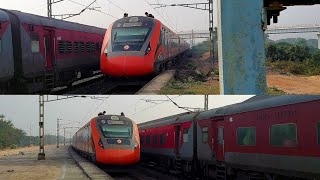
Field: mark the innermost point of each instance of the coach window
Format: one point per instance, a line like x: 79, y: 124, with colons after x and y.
x: 68, y: 47
x: 76, y: 47
x: 318, y: 132
x: 205, y: 134
x: 81, y: 46
x: 220, y: 135
x: 162, y: 139
x: 246, y: 136
x: 148, y: 139
x: 185, y: 135
x: 35, y: 46
x: 142, y: 139
x: 283, y: 135
x: 155, y: 139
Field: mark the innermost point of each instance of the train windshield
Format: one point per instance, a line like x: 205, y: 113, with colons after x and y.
x: 129, y: 39
x: 116, y: 131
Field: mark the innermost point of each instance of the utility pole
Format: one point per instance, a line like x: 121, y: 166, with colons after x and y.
x: 211, y: 42
x: 206, y: 102
x: 49, y: 8
x: 30, y: 135
x: 64, y: 136
x: 192, y: 35
x: 41, y: 155
x: 58, y: 126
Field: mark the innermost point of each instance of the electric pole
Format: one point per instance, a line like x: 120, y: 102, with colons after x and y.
x: 64, y: 136
x: 58, y: 126
x: 49, y: 8
x: 41, y: 155
x: 206, y: 102
x: 211, y: 30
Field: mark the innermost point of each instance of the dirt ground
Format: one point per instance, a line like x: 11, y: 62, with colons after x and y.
x: 197, y: 69
x: 294, y: 84
x: 58, y: 164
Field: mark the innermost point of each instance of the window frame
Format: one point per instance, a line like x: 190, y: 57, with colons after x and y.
x: 148, y: 139
x: 32, y: 47
x: 202, y: 132
x: 296, y: 145
x: 255, y: 128
x: 163, y: 139
x: 0, y: 45
x: 155, y: 139
x: 318, y: 132
x: 187, y: 134
x: 221, y: 127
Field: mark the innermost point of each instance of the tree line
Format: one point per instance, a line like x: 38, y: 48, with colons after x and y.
x: 296, y: 56
x: 12, y: 137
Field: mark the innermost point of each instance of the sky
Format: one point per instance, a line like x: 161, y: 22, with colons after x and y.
x: 23, y: 111
x: 178, y: 18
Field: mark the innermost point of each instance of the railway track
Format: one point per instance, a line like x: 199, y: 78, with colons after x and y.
x: 100, y: 84
x: 137, y: 172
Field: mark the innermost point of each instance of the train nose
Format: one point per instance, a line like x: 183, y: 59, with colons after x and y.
x: 119, y: 156
x: 129, y: 66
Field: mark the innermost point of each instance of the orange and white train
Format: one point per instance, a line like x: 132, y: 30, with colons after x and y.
x: 109, y: 140
x: 139, y: 46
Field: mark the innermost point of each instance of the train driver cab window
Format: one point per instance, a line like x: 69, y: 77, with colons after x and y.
x: 283, y: 135
x: 162, y: 139
x: 155, y: 139
x: 204, y: 134
x: 148, y: 139
x: 246, y: 136
x: 318, y: 127
x: 35, y: 47
x: 185, y: 135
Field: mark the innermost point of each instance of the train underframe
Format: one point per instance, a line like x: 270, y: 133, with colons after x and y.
x: 46, y: 81
x: 220, y: 170
x: 161, y: 66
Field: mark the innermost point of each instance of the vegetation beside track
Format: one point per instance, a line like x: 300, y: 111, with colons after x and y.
x: 12, y: 137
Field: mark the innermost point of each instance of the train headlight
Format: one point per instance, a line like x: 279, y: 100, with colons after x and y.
x: 135, y: 145
x: 148, y: 49
x: 100, y: 144
x: 106, y: 50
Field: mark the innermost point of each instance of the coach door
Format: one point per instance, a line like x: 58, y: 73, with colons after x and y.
x: 219, y: 140
x: 177, y: 139
x: 49, y: 48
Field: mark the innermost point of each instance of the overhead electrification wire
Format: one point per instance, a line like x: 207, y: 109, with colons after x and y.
x: 160, y: 15
x: 152, y: 106
x: 93, y: 9
x: 116, y: 6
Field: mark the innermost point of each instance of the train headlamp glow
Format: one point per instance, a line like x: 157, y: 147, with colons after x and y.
x: 135, y: 145
x: 106, y: 50
x: 148, y: 49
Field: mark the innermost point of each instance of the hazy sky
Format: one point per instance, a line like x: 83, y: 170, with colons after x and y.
x: 24, y: 110
x: 178, y: 18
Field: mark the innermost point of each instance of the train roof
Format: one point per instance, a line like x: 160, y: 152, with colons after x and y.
x: 252, y: 104
x: 182, y: 117
x: 50, y: 22
x: 263, y: 102
x: 3, y: 16
x: 109, y: 116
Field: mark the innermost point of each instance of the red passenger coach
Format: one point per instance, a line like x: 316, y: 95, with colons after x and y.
x: 138, y: 46
x: 39, y: 53
x: 109, y: 140
x: 263, y: 137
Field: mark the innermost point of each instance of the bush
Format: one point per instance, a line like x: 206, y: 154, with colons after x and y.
x: 13, y: 146
x: 307, y: 67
